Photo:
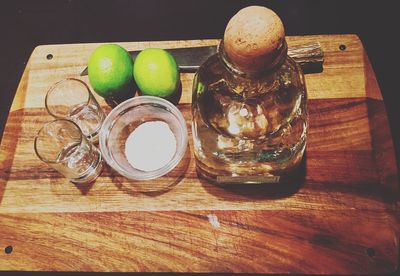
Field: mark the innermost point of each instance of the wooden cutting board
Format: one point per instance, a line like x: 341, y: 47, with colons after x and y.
x: 342, y: 219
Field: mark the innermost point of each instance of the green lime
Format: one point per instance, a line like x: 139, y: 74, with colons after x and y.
x: 110, y: 71
x: 156, y: 73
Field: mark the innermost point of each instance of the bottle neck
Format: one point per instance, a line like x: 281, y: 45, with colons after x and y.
x: 278, y: 57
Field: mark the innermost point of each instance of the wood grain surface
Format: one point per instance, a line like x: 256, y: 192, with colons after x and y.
x: 340, y: 216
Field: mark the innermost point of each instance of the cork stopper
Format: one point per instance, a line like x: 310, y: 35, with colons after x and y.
x: 254, y: 38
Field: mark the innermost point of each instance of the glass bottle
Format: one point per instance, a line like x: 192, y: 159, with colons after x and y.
x: 249, y: 120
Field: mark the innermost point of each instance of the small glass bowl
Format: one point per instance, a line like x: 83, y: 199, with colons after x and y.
x: 128, y: 115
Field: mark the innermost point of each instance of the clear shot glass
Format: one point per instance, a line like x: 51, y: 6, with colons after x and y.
x: 62, y: 145
x: 71, y: 99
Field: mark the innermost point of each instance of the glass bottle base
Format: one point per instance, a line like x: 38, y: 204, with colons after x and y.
x: 294, y: 173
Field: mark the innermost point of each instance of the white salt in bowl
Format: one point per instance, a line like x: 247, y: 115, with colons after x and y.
x: 125, y: 119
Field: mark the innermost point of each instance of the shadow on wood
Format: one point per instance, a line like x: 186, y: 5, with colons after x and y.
x: 9, y: 146
x: 174, y: 97
x: 127, y: 92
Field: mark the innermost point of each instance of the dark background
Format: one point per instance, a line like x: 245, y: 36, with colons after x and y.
x: 26, y: 24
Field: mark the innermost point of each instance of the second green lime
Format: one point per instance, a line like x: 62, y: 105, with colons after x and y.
x: 110, y: 71
x: 156, y: 73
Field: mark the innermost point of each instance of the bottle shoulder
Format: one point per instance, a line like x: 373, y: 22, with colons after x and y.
x: 214, y: 73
